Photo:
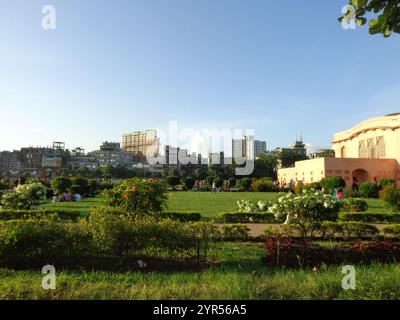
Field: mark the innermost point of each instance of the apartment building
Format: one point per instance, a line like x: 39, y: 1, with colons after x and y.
x: 141, y: 143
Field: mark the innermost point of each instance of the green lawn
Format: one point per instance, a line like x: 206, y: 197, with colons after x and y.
x: 207, y: 203
x: 240, y: 276
x: 210, y: 204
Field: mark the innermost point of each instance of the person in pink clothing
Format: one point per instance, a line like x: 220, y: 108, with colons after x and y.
x: 339, y: 194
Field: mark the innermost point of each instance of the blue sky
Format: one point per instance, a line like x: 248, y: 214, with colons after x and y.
x: 278, y: 67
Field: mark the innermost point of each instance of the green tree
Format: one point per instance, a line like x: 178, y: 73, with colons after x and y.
x: 61, y: 184
x: 330, y: 183
x: 3, y: 186
x: 189, y: 182
x: 173, y: 181
x: 265, y: 166
x: 245, y: 183
x: 288, y: 158
x: 218, y: 182
x: 385, y: 15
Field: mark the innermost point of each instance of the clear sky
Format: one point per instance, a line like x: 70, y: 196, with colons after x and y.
x: 278, y: 67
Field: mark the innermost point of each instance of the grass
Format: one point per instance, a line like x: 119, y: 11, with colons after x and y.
x: 210, y: 204
x: 207, y: 203
x: 83, y: 207
x: 240, y: 276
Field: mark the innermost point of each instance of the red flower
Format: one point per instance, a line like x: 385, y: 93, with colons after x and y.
x: 126, y: 196
x: 134, y: 189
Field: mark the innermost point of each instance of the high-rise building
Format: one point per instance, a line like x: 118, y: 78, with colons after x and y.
x: 260, y: 147
x: 247, y: 148
x: 238, y: 148
x: 141, y: 143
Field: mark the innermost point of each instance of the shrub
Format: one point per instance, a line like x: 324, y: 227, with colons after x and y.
x: 263, y: 185
x: 189, y: 182
x: 40, y: 214
x: 330, y: 183
x: 106, y: 186
x: 4, y: 186
x: 392, y: 229
x: 245, y: 183
x: 313, y: 185
x: 218, y: 182
x: 106, y: 234
x: 386, y: 182
x: 348, y: 230
x: 369, y: 190
x: 248, y: 206
x: 298, y: 189
x: 24, y: 241
x: 24, y: 196
x: 308, y: 210
x: 137, y: 197
x: 256, y: 217
x: 111, y: 234
x: 93, y: 187
x: 210, y: 180
x: 80, y: 185
x: 232, y: 182
x: 173, y: 181
x: 355, y: 205
x: 61, y: 184
x: 236, y: 232
x: 181, y: 216
x: 348, y: 194
x: 296, y: 253
x: 370, y: 217
x: 115, y: 234
x: 391, y: 196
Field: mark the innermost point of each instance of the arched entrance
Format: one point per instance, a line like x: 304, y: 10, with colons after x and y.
x: 360, y: 176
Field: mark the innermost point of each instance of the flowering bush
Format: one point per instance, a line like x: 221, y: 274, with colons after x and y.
x: 247, y: 206
x: 308, y: 210
x: 137, y: 197
x: 24, y: 196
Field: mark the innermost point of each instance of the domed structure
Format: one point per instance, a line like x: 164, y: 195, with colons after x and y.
x: 370, y: 151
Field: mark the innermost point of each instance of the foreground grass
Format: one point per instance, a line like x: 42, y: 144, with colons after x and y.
x: 240, y: 276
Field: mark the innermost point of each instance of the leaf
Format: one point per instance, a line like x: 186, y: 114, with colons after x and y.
x: 361, y: 21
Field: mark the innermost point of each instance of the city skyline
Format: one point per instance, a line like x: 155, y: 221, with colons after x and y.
x: 108, y: 69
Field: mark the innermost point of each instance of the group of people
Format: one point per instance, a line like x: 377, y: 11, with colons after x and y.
x: 67, y: 197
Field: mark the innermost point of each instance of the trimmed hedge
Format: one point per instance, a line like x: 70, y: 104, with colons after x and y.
x: 40, y: 214
x: 25, y: 242
x: 181, y: 216
x: 348, y: 230
x: 370, y: 217
x: 300, y: 253
x: 240, y: 217
x: 236, y: 232
x: 392, y: 229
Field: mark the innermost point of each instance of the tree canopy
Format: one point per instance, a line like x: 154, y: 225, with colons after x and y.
x: 385, y: 17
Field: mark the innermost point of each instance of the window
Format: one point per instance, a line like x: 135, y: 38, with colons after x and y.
x: 371, y: 148
x: 343, y: 152
x: 380, y: 147
x: 362, y: 150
